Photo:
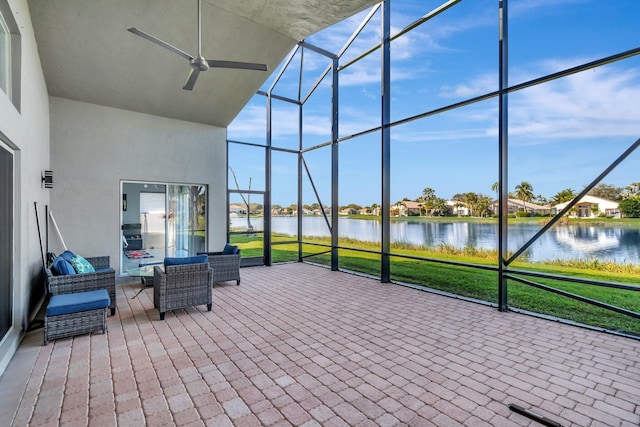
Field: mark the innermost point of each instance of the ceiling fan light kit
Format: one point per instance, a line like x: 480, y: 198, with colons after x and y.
x: 198, y: 63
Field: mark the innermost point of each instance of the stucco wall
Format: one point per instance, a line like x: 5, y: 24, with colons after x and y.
x: 93, y: 148
x: 25, y: 131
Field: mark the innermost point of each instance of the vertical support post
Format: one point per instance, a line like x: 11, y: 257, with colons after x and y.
x: 266, y: 242
x: 300, y: 166
x: 267, y: 206
x: 300, y: 158
x: 334, y: 165
x: 503, y: 144
x: 227, y: 211
x: 385, y: 267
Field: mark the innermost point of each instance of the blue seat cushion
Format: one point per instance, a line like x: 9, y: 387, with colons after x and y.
x: 230, y: 249
x: 61, y: 267
x: 79, y: 301
x: 197, y: 259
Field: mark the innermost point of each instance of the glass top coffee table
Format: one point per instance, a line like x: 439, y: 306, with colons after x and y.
x: 145, y: 273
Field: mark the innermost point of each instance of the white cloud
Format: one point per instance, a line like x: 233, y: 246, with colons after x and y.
x: 603, y: 102
x: 249, y: 123
x: 599, y: 103
x: 480, y: 85
x: 354, y: 120
x: 317, y: 125
x: 455, y: 135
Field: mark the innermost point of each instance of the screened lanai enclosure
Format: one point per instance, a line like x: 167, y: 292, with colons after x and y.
x: 455, y: 147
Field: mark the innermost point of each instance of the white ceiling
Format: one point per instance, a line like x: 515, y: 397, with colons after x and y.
x: 87, y: 54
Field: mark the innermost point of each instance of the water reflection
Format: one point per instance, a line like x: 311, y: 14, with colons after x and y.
x: 613, y: 243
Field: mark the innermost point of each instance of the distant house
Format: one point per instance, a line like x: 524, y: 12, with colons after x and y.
x: 407, y: 208
x: 349, y: 211
x: 237, y: 209
x: 325, y: 209
x: 591, y: 207
x: 279, y: 211
x: 517, y: 205
x: 458, y: 208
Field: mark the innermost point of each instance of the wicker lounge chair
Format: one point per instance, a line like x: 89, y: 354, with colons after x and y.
x: 225, y: 266
x: 103, y: 278
x: 180, y: 286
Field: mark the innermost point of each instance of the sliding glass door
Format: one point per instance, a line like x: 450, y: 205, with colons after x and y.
x: 153, y: 208
x: 161, y: 220
x: 186, y: 220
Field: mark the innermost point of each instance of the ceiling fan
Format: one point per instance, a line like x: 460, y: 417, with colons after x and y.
x: 198, y: 63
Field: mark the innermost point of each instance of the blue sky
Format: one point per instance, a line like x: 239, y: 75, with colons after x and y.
x: 561, y: 134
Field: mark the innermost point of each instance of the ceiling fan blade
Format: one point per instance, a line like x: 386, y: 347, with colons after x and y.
x: 239, y: 65
x: 159, y: 42
x: 191, y: 80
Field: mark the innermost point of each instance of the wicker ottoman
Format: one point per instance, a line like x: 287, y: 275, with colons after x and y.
x: 75, y: 314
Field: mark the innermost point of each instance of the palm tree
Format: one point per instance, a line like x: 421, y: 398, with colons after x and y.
x: 540, y: 200
x: 439, y: 205
x: 428, y: 194
x: 495, y: 187
x: 563, y: 196
x: 524, y: 191
x: 631, y: 190
x: 482, y: 205
x: 471, y: 199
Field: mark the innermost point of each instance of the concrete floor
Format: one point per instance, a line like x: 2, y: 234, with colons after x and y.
x: 297, y: 344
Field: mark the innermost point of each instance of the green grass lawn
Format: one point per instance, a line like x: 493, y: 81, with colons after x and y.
x: 482, y: 284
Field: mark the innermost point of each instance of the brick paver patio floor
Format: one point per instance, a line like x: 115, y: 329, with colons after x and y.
x: 297, y: 344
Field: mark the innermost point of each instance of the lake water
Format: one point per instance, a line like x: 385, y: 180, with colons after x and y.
x: 611, y: 243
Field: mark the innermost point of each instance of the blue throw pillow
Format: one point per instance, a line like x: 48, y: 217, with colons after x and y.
x: 67, y: 255
x: 81, y: 265
x: 61, y: 267
x: 230, y: 249
x: 198, y: 259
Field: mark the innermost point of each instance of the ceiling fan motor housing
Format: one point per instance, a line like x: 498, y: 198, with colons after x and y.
x: 199, y: 63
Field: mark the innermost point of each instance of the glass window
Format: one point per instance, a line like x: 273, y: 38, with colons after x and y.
x: 5, y: 57
x: 6, y: 243
x: 246, y: 223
